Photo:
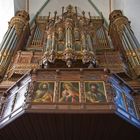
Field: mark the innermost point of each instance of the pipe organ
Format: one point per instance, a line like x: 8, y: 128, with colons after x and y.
x: 70, y: 63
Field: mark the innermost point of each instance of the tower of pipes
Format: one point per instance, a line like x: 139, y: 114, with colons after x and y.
x: 124, y: 40
x: 14, y: 39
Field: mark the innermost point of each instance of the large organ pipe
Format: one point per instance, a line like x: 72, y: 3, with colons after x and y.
x: 130, y: 36
x: 132, y: 51
x: 15, y: 37
x: 4, y: 38
x: 120, y: 25
x: 133, y: 45
x: 10, y: 52
x: 134, y: 38
x: 7, y: 58
x: 7, y: 40
x: 10, y: 42
x: 13, y: 44
x: 127, y: 50
x: 6, y: 50
x: 3, y: 53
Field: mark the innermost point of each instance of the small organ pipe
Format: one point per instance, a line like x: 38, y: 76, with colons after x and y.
x: 84, y: 41
x: 89, y: 42
x: 53, y: 41
x: 49, y: 42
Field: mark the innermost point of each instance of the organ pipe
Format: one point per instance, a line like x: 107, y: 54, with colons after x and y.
x: 12, y: 40
x: 120, y: 26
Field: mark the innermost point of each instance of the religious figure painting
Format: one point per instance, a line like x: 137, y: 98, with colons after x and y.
x: 69, y: 92
x: 119, y: 98
x: 94, y: 91
x: 44, y: 91
x: 130, y: 106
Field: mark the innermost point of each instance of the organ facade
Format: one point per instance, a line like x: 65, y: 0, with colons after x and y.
x: 69, y: 64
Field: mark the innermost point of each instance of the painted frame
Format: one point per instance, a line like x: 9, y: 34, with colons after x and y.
x: 119, y: 97
x: 44, y: 91
x: 95, y: 91
x: 69, y: 92
x: 130, y: 106
x: 125, y: 102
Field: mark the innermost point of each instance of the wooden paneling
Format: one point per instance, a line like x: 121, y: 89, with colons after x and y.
x: 51, y: 126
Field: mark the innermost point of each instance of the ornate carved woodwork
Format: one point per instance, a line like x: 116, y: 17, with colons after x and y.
x: 69, y: 37
x: 65, y: 60
x: 20, y: 22
x: 23, y: 62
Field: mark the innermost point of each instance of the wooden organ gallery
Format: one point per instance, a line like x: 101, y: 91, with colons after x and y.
x: 69, y: 76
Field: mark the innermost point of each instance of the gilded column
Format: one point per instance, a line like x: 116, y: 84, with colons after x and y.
x: 13, y: 39
x: 124, y: 39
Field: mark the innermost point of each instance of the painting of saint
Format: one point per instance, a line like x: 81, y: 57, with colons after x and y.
x: 119, y: 100
x: 69, y: 92
x: 95, y: 92
x: 130, y: 106
x: 44, y: 92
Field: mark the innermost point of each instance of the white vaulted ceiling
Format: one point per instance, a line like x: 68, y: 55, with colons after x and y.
x: 131, y: 8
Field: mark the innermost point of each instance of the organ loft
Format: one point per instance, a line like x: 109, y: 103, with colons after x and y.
x: 69, y: 76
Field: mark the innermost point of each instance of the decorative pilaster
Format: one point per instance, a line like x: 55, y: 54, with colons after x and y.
x: 124, y: 39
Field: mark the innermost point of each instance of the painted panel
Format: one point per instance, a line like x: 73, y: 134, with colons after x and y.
x: 95, y: 91
x: 69, y: 91
x: 44, y: 91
